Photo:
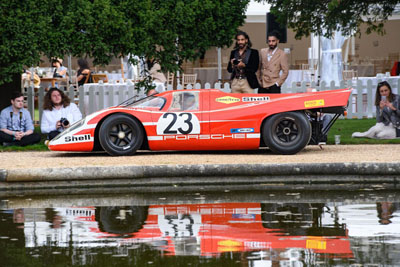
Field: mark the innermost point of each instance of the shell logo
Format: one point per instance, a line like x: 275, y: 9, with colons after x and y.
x: 227, y: 99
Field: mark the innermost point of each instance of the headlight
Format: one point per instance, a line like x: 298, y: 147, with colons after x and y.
x: 73, y: 127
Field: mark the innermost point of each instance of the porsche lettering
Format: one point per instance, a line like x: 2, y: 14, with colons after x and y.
x: 204, y: 137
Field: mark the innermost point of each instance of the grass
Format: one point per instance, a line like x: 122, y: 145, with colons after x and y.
x: 344, y: 128
x: 36, y: 147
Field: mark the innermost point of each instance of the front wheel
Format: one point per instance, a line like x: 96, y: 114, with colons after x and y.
x: 120, y: 135
x: 287, y: 133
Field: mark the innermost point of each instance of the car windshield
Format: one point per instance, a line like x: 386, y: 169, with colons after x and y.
x: 148, y: 102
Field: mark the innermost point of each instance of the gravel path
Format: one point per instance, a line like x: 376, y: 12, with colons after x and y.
x: 311, y: 154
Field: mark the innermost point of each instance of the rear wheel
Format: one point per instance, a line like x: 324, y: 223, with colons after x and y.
x: 287, y: 133
x: 120, y: 135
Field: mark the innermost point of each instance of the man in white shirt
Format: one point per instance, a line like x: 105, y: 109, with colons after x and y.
x: 59, y: 113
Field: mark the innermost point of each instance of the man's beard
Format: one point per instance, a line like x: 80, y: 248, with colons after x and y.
x: 241, y: 46
x: 272, y: 47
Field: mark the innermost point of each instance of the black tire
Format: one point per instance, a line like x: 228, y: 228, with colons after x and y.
x: 109, y: 219
x: 287, y: 133
x: 120, y: 135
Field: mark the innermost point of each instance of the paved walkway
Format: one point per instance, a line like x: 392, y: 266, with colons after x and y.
x: 311, y: 154
x: 335, y: 165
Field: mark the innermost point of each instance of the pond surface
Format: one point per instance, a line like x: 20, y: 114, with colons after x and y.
x: 201, y: 229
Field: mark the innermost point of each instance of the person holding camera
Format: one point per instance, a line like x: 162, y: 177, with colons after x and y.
x: 273, y: 60
x: 387, y: 114
x: 58, y: 113
x: 16, y: 126
x: 243, y: 64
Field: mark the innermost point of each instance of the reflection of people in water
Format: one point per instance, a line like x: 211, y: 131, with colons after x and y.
x: 385, y: 211
x: 189, y: 101
x: 11, y: 226
x: 19, y: 216
x: 298, y: 219
x: 52, y: 216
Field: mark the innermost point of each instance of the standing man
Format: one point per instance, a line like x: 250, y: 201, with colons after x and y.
x: 273, y: 60
x: 243, y: 64
x: 16, y: 127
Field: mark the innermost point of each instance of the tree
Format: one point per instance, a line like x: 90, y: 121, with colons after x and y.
x: 170, y: 31
x: 326, y: 16
x: 177, y: 30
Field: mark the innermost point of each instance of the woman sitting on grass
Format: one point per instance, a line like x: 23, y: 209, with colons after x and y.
x: 387, y: 114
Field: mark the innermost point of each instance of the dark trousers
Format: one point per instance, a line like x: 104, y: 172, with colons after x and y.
x: 26, y: 140
x: 274, y: 89
x: 52, y: 134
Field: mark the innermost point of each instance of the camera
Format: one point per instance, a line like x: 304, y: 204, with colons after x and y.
x: 64, y: 122
x: 236, y: 61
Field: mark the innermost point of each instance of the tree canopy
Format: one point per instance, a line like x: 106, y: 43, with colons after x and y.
x: 324, y: 17
x: 168, y: 30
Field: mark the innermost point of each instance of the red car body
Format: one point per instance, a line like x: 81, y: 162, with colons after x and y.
x: 203, y: 120
x: 224, y: 227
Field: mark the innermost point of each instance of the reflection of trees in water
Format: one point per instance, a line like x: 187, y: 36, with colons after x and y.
x: 122, y: 220
x: 299, y: 219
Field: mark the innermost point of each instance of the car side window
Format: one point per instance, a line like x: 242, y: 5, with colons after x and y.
x: 185, y: 101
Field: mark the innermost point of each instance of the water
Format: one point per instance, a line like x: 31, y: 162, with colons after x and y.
x: 274, y: 228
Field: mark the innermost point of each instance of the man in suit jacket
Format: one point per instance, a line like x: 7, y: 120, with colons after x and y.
x: 243, y: 65
x: 273, y: 60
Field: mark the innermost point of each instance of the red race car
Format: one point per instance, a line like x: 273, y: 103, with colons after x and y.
x: 206, y: 119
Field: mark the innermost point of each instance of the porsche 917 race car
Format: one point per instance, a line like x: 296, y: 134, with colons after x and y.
x: 206, y: 119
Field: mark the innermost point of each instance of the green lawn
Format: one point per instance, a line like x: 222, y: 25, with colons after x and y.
x: 344, y: 128
x: 37, y: 147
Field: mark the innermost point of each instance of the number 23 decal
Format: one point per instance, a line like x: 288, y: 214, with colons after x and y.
x: 178, y: 123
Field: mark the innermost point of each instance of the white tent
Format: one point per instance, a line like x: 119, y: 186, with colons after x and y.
x: 256, y: 12
x: 331, y: 58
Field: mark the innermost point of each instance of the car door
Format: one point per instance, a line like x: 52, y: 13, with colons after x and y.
x: 233, y: 122
x: 180, y: 124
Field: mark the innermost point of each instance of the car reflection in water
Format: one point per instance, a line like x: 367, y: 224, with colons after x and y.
x: 261, y: 231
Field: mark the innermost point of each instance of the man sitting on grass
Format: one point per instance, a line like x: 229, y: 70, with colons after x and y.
x: 16, y: 127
